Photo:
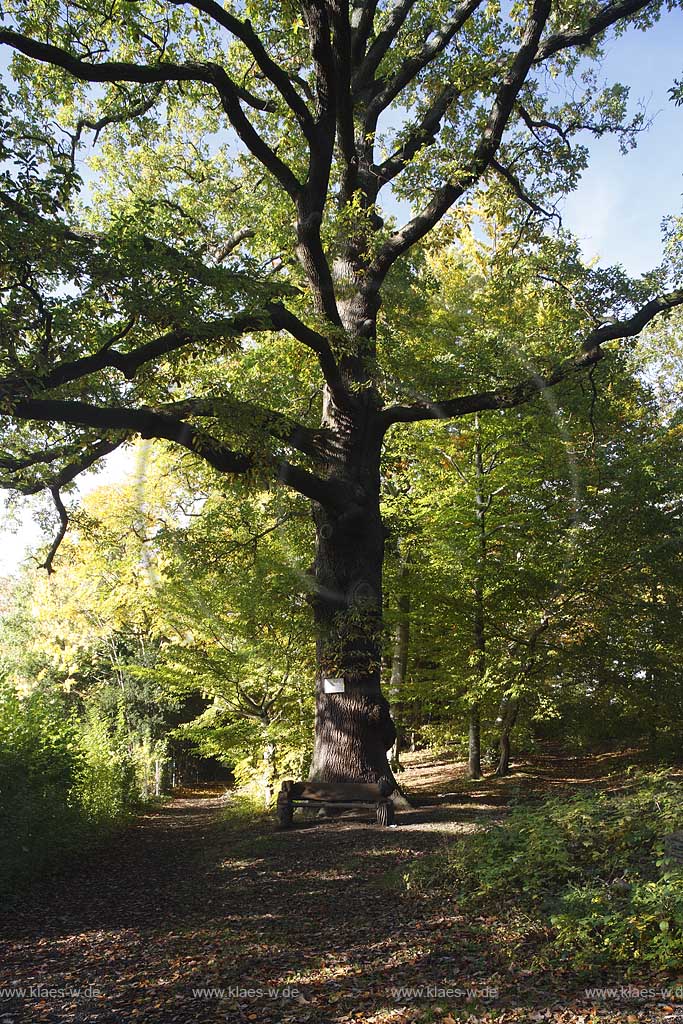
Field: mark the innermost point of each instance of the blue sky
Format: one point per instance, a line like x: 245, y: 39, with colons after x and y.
x: 618, y: 208
x: 616, y: 211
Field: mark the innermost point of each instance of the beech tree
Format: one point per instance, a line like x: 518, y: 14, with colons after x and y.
x: 232, y: 240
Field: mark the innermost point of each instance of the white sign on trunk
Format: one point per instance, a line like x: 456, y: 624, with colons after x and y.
x: 333, y: 685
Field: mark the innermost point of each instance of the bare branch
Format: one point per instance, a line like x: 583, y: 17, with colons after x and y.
x: 341, y: 56
x: 14, y: 465
x: 533, y: 126
x: 521, y: 193
x: 63, y: 527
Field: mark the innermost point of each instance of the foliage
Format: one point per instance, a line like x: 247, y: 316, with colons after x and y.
x: 230, y: 600
x: 63, y: 783
x: 591, y: 864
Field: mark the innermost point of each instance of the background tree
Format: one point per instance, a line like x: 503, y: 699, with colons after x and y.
x: 178, y: 286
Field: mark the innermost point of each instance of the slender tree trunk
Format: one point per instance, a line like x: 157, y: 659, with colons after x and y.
x: 399, y: 665
x: 474, y: 763
x: 509, y: 705
x: 508, y: 716
x: 482, y: 504
x: 269, y: 770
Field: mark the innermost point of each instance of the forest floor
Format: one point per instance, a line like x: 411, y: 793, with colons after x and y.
x: 203, y: 912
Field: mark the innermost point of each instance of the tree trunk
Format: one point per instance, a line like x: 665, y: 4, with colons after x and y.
x: 354, y: 730
x: 399, y: 666
x: 482, y: 505
x: 269, y: 771
x: 474, y: 762
x: 508, y: 716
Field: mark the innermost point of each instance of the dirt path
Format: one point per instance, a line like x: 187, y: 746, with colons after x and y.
x: 293, y: 927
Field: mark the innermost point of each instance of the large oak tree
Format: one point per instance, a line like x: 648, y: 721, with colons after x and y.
x: 245, y: 164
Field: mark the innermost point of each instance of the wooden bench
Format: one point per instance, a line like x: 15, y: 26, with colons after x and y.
x: 335, y: 794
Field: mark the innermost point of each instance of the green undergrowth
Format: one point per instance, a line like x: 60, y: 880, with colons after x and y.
x: 64, y: 784
x: 591, y: 869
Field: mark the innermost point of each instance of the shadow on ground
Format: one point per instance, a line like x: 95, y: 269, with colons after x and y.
x: 196, y: 914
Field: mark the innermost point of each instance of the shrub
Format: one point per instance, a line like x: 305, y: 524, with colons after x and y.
x: 590, y: 864
x: 106, y: 787
x: 642, y: 923
x: 40, y: 760
x: 62, y: 782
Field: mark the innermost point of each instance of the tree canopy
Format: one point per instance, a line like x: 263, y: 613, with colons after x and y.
x: 201, y: 244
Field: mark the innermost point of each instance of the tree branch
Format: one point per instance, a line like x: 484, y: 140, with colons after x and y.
x: 500, y: 398
x: 380, y: 45
x: 521, y: 193
x: 96, y: 125
x: 231, y: 243
x: 63, y: 527
x: 317, y: 444
x: 607, y: 17
x: 633, y: 326
x: 422, y: 134
x: 149, y: 423
x: 285, y: 320
x: 275, y: 74
x: 412, y: 66
x: 128, y: 363
x: 362, y: 21
x: 341, y: 56
x: 448, y: 194
x: 66, y: 475
x: 195, y: 267
x: 517, y: 394
x: 164, y: 71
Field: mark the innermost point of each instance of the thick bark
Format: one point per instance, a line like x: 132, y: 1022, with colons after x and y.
x: 353, y: 728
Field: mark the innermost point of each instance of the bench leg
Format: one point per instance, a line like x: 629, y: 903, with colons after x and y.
x: 385, y: 813
x: 284, y: 811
